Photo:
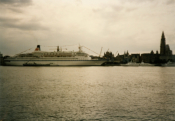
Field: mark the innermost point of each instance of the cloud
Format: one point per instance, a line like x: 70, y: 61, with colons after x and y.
x: 19, y: 24
x: 16, y: 10
x: 133, y: 25
x: 16, y: 17
x: 79, y: 1
x: 169, y: 2
x: 139, y: 1
x: 24, y: 26
x: 16, y: 2
x: 131, y: 9
x: 3, y: 19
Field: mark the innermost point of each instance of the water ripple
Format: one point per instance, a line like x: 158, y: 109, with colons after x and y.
x: 87, y: 93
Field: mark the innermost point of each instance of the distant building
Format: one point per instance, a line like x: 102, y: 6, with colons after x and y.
x: 164, y: 56
x: 135, y: 58
x: 164, y: 49
x: 125, y: 58
x: 119, y: 58
x: 150, y: 57
x: 165, y: 53
x: 108, y: 55
x: 167, y: 58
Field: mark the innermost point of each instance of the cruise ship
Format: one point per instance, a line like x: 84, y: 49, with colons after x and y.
x: 56, y: 58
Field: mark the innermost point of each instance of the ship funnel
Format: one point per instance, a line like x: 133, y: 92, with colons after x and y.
x: 38, y: 48
x: 58, y: 49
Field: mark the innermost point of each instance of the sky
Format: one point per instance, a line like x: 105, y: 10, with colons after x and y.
x: 113, y: 25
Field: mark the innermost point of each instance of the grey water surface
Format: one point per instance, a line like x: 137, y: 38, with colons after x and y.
x: 112, y: 93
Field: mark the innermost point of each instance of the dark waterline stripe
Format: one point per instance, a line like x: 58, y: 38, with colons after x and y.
x: 55, y: 60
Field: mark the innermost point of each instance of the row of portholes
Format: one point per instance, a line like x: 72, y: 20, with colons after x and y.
x: 57, y: 54
x: 51, y: 54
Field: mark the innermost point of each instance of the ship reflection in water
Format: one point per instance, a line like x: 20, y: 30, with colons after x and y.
x: 87, y: 93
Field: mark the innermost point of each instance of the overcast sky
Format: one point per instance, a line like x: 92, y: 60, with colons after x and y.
x: 117, y: 25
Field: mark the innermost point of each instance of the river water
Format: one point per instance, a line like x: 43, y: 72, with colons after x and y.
x: 111, y: 93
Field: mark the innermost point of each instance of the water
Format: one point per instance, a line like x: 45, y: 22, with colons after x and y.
x: 87, y: 93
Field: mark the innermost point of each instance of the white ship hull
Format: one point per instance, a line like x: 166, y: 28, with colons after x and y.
x: 131, y: 64
x: 169, y: 65
x: 137, y: 64
x: 55, y: 62
x: 146, y: 64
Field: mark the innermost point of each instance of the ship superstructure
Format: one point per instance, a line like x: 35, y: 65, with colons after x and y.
x: 56, y: 58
